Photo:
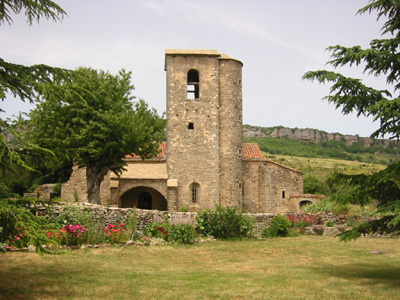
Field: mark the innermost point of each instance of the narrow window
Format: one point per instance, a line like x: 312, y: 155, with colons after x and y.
x: 239, y: 152
x: 195, y: 187
x: 193, y: 84
x: 191, y: 126
x: 283, y: 194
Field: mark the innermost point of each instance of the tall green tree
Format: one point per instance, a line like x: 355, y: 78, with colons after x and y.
x: 25, y: 82
x: 92, y: 120
x: 382, y: 58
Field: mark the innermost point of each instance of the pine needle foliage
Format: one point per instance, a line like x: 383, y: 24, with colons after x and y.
x: 382, y: 58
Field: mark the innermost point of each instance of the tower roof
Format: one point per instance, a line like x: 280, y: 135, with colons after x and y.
x: 199, y: 52
x: 192, y: 52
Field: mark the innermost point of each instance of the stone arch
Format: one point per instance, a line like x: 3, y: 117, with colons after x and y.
x: 143, y: 197
x: 304, y: 202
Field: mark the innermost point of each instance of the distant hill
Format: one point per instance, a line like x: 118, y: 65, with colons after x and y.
x: 313, y: 143
x: 310, y: 135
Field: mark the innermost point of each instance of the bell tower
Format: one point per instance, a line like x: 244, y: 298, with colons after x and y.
x: 204, y: 129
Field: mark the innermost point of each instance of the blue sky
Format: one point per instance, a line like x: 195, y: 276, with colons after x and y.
x: 277, y: 41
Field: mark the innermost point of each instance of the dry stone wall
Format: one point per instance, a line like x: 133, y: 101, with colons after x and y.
x: 113, y: 215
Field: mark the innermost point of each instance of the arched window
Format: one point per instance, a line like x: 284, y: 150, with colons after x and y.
x: 193, y: 80
x: 195, y: 192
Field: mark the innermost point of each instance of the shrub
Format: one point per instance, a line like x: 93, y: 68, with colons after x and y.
x: 319, y: 229
x: 225, y: 223
x: 131, y: 225
x: 301, y: 220
x: 184, y: 209
x: 330, y: 224
x: 326, y: 205
x: 157, y: 230
x: 116, y: 234
x: 73, y: 215
x: 57, y: 189
x: 74, y: 235
x: 182, y: 233
x: 279, y: 226
x: 19, y: 227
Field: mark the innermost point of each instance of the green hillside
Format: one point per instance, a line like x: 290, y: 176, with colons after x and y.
x: 323, y: 167
x: 376, y: 154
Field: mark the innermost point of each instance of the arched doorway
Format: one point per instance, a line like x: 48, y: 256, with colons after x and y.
x: 145, y: 201
x: 304, y: 202
x: 143, y: 197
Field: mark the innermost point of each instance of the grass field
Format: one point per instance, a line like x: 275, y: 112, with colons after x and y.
x: 305, y: 267
x: 322, y: 167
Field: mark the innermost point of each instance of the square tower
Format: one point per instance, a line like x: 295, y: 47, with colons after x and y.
x: 204, y: 129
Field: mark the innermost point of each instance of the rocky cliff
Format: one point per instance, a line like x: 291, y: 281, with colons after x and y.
x: 310, y: 135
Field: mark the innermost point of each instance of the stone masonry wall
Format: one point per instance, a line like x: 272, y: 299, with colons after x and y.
x: 272, y: 184
x: 117, y: 215
x: 75, y: 189
x: 193, y: 150
x: 76, y: 186
x: 230, y: 134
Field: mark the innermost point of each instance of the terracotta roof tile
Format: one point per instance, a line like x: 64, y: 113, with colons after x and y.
x: 249, y: 150
x: 161, y: 154
x: 252, y: 150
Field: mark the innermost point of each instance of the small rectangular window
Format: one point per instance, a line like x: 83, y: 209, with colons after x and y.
x: 191, y: 126
x: 283, y: 194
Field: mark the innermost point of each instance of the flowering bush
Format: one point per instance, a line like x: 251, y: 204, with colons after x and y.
x: 116, y: 234
x: 19, y: 240
x: 319, y: 229
x: 56, y: 238
x: 301, y: 220
x: 157, y: 230
x: 73, y: 235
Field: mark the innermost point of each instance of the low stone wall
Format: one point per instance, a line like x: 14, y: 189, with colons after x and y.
x: 114, y: 215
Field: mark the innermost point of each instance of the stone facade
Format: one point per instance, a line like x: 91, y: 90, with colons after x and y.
x: 203, y: 162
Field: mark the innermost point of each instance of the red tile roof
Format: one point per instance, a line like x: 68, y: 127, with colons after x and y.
x: 252, y: 150
x: 249, y: 150
x: 161, y: 154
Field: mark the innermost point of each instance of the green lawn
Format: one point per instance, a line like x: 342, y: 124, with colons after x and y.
x: 306, y: 267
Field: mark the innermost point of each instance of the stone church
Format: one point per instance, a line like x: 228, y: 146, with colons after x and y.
x: 203, y: 162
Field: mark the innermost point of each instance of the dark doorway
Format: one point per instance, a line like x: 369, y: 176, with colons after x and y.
x: 145, y: 201
x: 304, y: 202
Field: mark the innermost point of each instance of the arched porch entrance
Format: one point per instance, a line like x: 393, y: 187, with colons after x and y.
x: 304, y: 202
x: 144, y: 198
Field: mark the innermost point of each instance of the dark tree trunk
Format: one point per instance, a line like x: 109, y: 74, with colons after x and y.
x: 94, y: 177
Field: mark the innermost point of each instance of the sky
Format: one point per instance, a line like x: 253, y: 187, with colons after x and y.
x: 277, y: 41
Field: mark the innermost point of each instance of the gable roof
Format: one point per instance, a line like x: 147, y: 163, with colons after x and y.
x: 249, y: 151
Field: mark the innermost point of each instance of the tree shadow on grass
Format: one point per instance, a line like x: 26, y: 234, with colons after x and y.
x: 378, y: 274
x: 43, y: 281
